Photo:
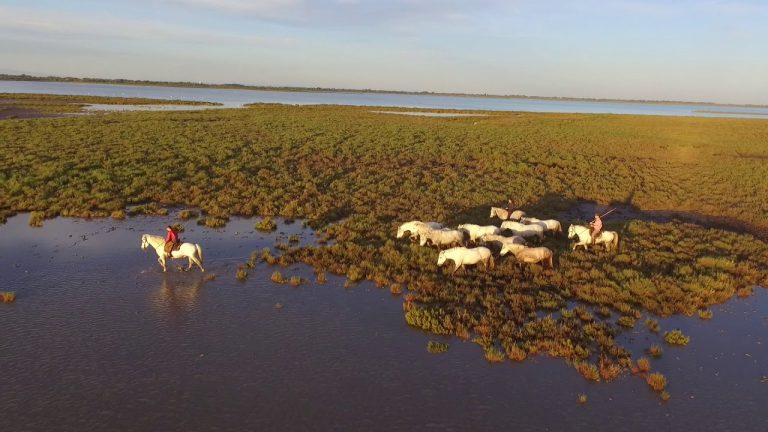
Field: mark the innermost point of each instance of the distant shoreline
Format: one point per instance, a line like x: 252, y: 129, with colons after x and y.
x: 183, y: 84
x: 732, y: 112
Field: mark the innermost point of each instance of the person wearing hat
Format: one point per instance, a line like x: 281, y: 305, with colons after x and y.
x: 171, y: 240
x: 597, y: 226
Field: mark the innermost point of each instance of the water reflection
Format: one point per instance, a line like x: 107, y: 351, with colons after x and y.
x: 177, y: 295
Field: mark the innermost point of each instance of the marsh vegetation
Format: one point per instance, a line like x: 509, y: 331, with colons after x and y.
x: 355, y: 176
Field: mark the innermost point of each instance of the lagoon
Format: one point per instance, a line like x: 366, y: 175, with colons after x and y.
x: 233, y: 98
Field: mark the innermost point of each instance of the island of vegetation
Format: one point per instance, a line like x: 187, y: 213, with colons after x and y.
x: 694, y: 190
x: 26, y: 105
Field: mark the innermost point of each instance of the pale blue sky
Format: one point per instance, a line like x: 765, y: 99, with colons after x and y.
x: 642, y: 49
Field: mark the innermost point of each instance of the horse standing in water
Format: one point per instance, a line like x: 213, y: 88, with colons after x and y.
x: 192, y: 251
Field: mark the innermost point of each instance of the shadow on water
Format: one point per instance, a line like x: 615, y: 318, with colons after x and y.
x: 100, y: 339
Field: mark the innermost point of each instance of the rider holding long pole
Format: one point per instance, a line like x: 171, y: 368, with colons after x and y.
x: 597, y: 227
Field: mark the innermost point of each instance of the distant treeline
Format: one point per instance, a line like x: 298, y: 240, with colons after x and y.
x: 24, y: 77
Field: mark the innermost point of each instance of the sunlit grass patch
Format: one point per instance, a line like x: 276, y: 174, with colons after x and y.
x: 266, y: 225
x: 36, y: 219
x: 627, y: 321
x: 187, y: 214
x: 395, y: 289
x: 655, y: 351
x: 278, y: 277
x: 656, y: 381
x: 676, y: 337
x: 241, y: 274
x: 151, y: 209
x: 494, y: 355
x: 321, y: 277
x: 588, y: 371
x: 435, y: 347
x: 643, y: 365
x: 212, y: 222
x: 7, y: 296
x: 652, y: 325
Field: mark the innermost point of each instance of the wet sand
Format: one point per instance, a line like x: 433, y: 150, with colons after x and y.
x: 100, y: 339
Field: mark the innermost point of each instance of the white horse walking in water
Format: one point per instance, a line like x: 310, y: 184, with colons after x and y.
x: 462, y: 256
x: 191, y: 251
x: 503, y: 214
x: 609, y: 238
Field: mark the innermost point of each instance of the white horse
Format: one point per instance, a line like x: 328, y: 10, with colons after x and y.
x: 549, y: 225
x: 462, y: 256
x: 504, y: 244
x: 477, y: 231
x: 535, y: 255
x: 443, y: 237
x: 191, y: 251
x: 523, y: 230
x: 609, y: 238
x: 503, y: 214
x: 512, y: 247
x: 416, y: 229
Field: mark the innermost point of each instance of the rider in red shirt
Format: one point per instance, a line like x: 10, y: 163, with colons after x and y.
x: 170, y: 240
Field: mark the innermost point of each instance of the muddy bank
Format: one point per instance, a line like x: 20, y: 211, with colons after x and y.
x: 9, y: 112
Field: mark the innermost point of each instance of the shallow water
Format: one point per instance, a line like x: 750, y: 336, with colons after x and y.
x: 231, y: 98
x: 99, y: 339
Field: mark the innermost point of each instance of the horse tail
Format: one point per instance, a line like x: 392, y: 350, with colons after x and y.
x: 615, y: 241
x: 491, y: 263
x: 199, y: 253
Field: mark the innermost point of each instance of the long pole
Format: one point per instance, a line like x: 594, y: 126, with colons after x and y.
x: 607, y: 213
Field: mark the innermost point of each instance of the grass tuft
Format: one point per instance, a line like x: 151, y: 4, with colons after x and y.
x: 435, y: 347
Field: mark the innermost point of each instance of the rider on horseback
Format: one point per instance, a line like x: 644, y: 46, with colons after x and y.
x: 510, y: 209
x: 171, y: 240
x: 597, y: 227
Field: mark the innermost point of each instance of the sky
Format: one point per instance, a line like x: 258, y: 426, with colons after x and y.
x: 708, y: 50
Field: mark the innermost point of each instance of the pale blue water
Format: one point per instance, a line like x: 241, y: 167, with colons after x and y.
x: 236, y: 98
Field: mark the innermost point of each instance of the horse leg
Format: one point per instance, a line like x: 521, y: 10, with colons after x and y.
x: 161, y: 260
x: 189, y: 267
x: 199, y: 264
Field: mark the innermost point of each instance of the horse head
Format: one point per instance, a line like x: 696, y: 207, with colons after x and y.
x: 572, y: 231
x: 441, y: 259
x: 400, y: 232
x: 144, y: 242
